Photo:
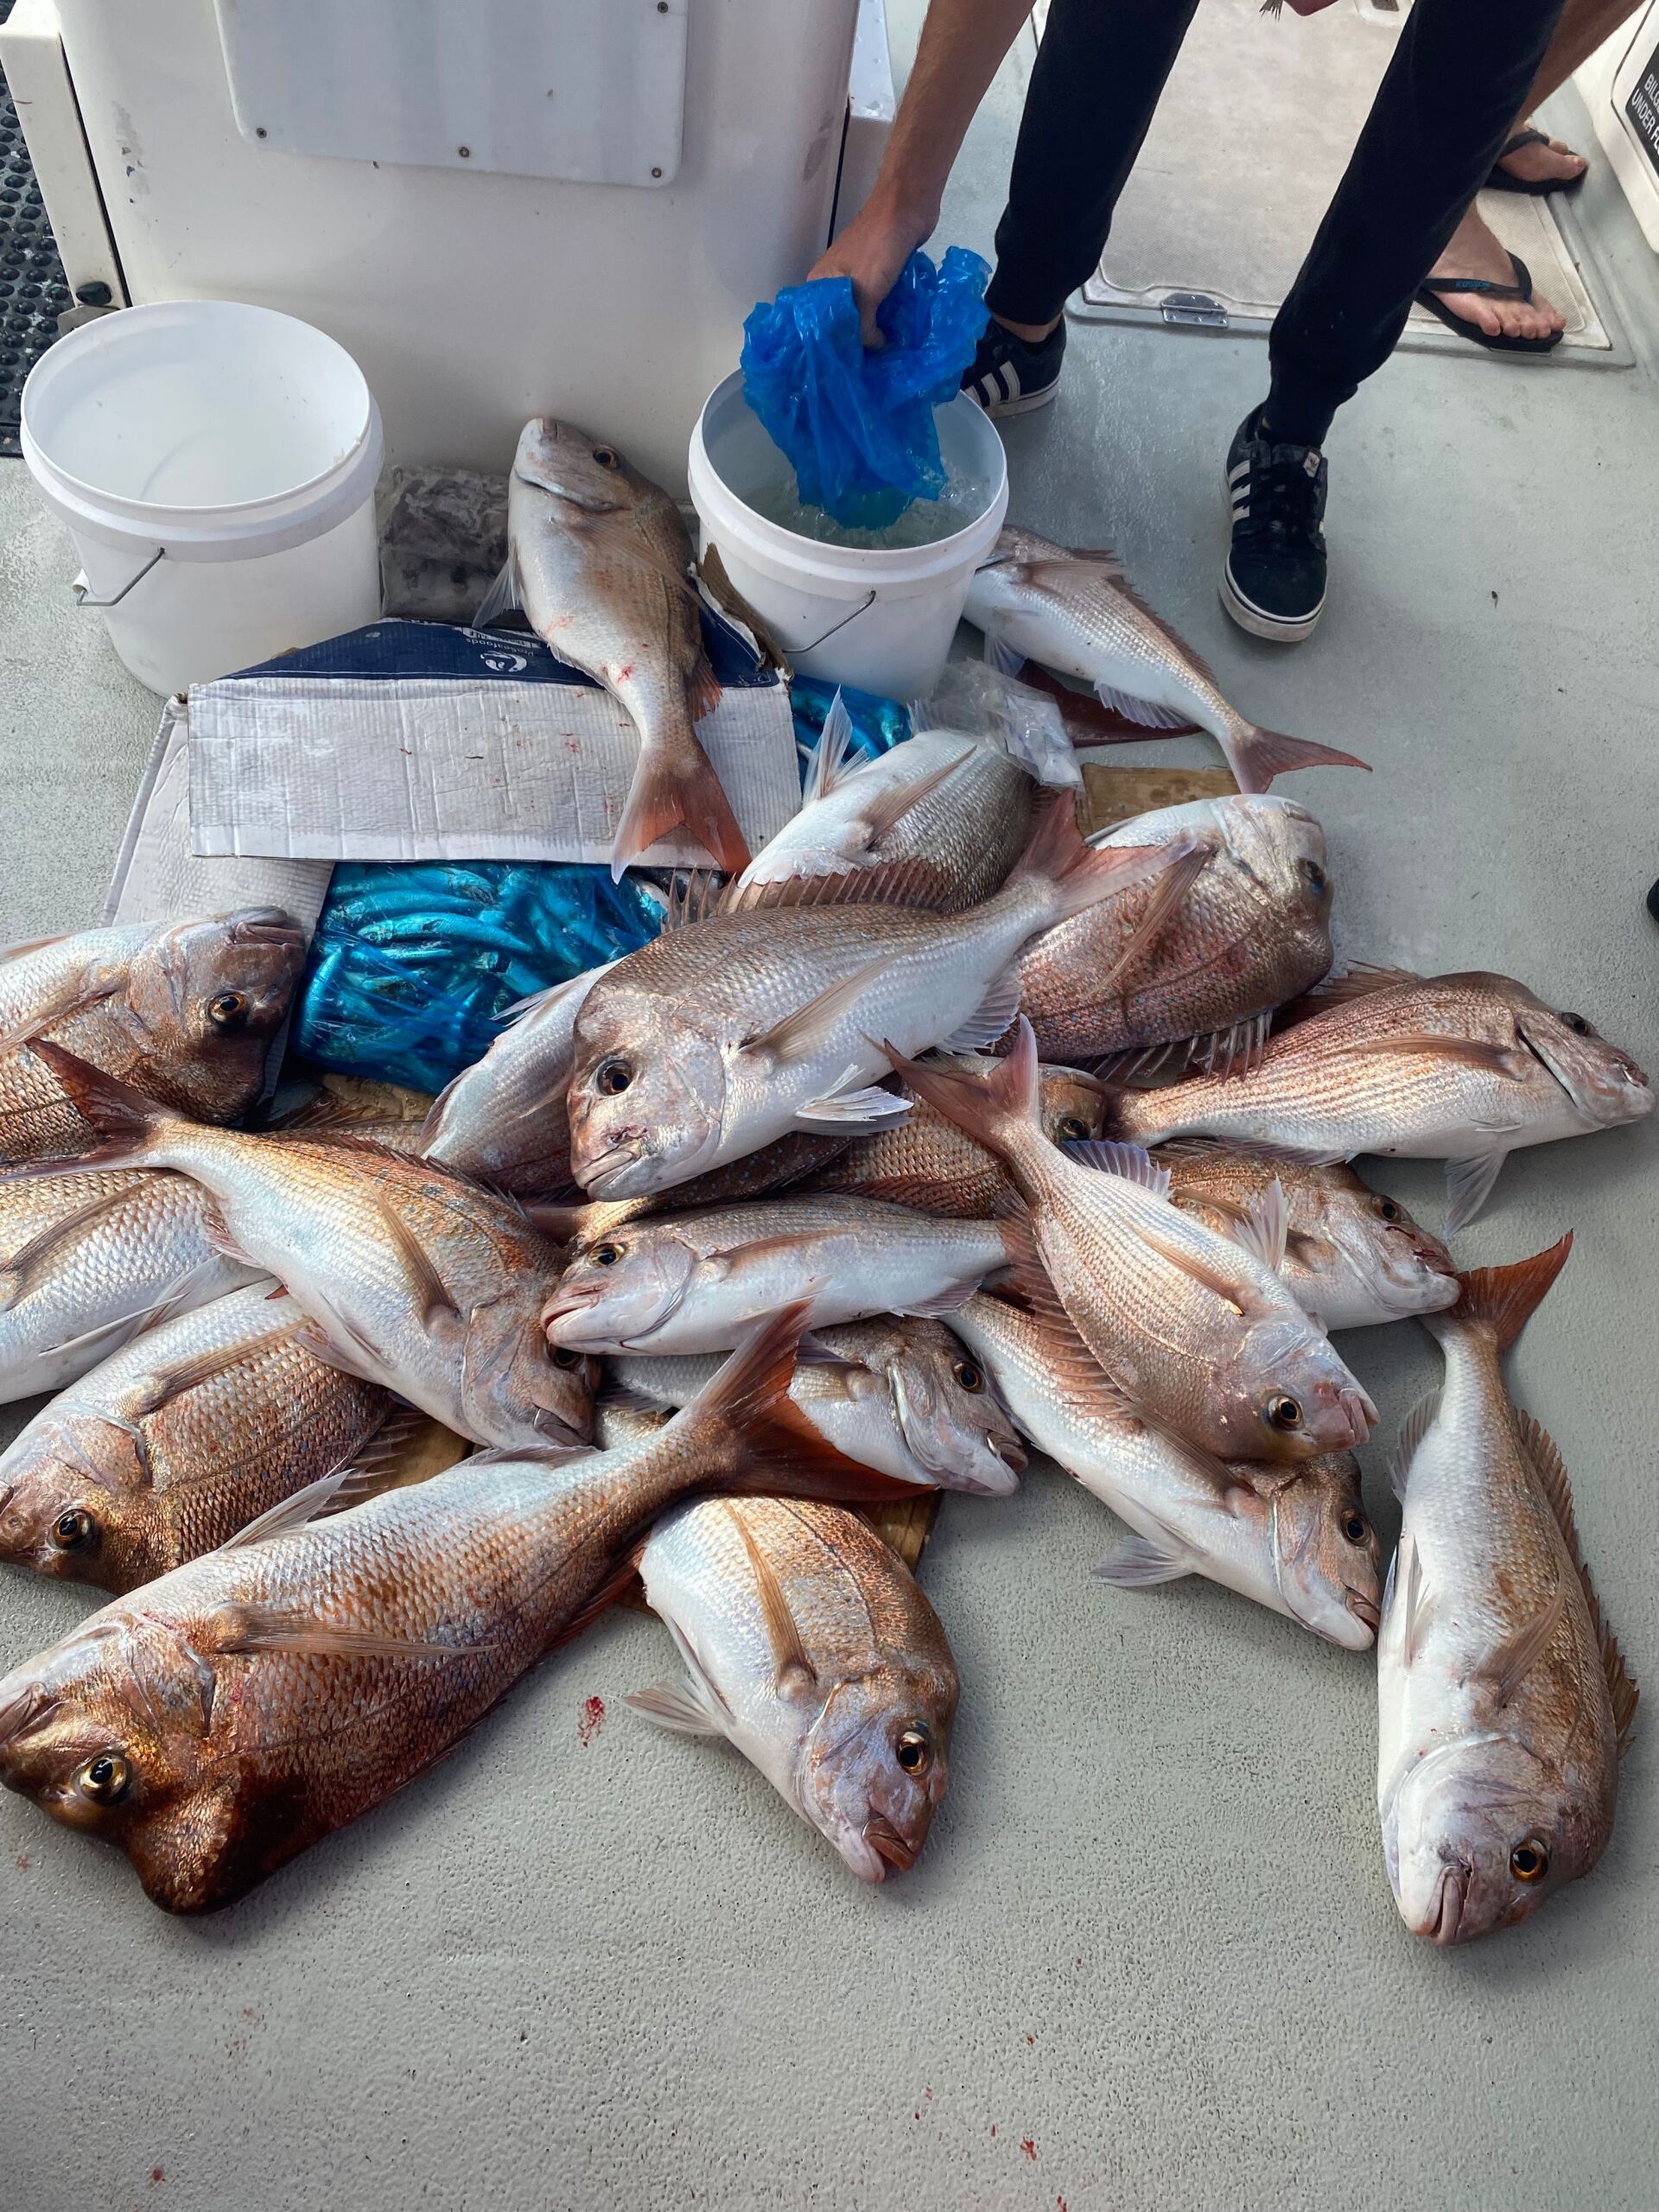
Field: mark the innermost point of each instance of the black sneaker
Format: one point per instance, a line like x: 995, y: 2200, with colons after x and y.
x: 1009, y: 377
x: 1273, y: 584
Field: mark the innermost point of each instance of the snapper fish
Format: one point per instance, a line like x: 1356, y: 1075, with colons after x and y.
x: 720, y: 1037
x: 808, y: 1644
x: 237, y: 1710
x: 1293, y: 1539
x: 693, y: 1281
x: 1076, y: 612
x: 185, y: 1012
x: 1503, y: 1701
x: 1197, y: 1329
x: 1354, y: 1257
x: 938, y: 822
x: 1190, y: 967
x: 901, y: 1394
x: 413, y: 1278
x: 1464, y: 1068
x: 169, y: 1446
x: 600, y: 560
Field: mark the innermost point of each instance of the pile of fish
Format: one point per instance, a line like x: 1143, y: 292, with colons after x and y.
x: 852, y: 1187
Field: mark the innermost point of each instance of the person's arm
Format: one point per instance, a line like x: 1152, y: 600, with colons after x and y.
x: 961, y: 48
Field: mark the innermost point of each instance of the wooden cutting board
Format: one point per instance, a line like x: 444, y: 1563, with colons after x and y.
x: 1110, y: 795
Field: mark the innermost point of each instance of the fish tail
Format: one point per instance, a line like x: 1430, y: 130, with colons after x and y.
x: 1502, y: 1300
x: 1256, y: 756
x: 761, y: 1443
x: 1076, y: 875
x: 994, y: 1108
x: 674, y: 786
x: 124, y: 1117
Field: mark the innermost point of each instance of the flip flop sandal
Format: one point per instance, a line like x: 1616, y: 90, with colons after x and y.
x: 1429, y: 291
x: 1530, y: 187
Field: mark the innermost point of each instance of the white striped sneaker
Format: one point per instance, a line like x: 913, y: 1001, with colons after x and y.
x: 1009, y: 377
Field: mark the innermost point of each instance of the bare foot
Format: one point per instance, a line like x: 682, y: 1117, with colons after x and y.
x: 1537, y: 164
x: 1474, y: 251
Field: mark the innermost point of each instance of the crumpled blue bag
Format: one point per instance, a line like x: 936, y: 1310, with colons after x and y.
x: 412, y: 967
x: 858, y: 427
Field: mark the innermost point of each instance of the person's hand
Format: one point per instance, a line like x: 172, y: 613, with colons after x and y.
x: 872, y: 249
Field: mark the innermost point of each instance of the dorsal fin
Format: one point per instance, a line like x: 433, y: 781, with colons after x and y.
x: 1413, y: 1430
x: 694, y: 893
x: 1361, y: 981
x: 1547, y: 1464
x: 830, y: 761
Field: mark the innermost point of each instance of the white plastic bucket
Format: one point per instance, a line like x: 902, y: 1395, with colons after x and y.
x: 881, y: 620
x: 215, y: 465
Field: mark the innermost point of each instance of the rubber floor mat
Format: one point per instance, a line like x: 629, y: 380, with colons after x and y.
x: 32, y: 293
x: 1252, y: 134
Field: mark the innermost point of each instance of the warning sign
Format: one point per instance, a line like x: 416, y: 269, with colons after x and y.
x: 1642, y: 108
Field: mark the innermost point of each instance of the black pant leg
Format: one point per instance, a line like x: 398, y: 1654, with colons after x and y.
x: 1458, y: 76
x: 1094, y: 88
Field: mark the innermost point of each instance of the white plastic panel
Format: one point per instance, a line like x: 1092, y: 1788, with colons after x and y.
x: 587, y: 92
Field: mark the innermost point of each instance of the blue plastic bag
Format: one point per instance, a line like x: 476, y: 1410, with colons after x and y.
x: 858, y: 427
x: 413, y: 967
x: 878, y: 724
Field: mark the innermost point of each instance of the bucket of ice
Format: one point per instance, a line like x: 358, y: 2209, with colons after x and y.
x: 873, y: 608
x: 215, y: 465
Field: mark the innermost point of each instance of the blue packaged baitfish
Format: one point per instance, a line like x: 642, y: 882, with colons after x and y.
x: 412, y: 967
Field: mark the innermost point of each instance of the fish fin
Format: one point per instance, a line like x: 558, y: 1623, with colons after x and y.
x: 289, y: 1513
x: 123, y: 1116
x: 1508, y: 1666
x: 1504, y: 1300
x: 1235, y: 1050
x: 694, y: 893
x: 678, y: 1706
x: 1132, y: 1163
x: 948, y: 1300
x: 1547, y: 1465
x: 1192, y: 1264
x: 671, y: 789
x: 745, y: 1404
x: 191, y: 1374
x: 360, y: 1361
x: 1265, y: 1232
x: 870, y: 1108
x: 378, y: 1457
x: 1138, y: 1564
x: 1431, y: 1044
x: 1144, y: 711
x: 792, y: 1669
x: 33, y: 944
x: 1468, y: 1186
x: 1622, y: 1688
x: 435, y: 1303
x: 26, y: 1262
x: 1081, y: 875
x: 73, y: 999
x: 1362, y: 979
x: 1119, y: 1070
x: 1418, y: 1606
x: 1256, y: 756
x: 715, y: 584
x: 622, y: 1576
x: 1168, y: 892
x: 1414, y: 1427
x: 252, y: 1628
x: 1076, y: 1376
x: 798, y: 1035
x: 831, y: 763
x: 984, y: 1106
x: 504, y: 595
x: 1001, y: 655
x: 886, y: 812
x: 990, y: 1019
x: 702, y: 688
x: 908, y: 882
x: 219, y: 1237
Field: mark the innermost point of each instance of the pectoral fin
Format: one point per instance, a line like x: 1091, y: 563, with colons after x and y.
x: 990, y: 1018
x: 675, y: 1705
x: 1468, y: 1186
x: 795, y: 1671
x: 437, y: 1306
x: 849, y: 1112
x: 1508, y: 1666
x: 800, y: 1034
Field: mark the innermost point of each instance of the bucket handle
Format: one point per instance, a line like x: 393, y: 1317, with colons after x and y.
x: 867, y: 601
x: 78, y: 587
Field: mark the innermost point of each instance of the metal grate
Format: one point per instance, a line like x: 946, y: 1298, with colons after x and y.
x: 32, y: 293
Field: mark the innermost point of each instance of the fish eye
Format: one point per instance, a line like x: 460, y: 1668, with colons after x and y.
x: 229, y: 1010
x: 562, y: 1356
x: 1283, y: 1412
x: 913, y: 1750
x: 1316, y: 877
x: 1074, y: 1130
x: 606, y: 456
x: 73, y: 1527
x: 606, y: 1254
x: 1356, y: 1528
x: 1577, y: 1024
x: 105, y: 1779
x: 971, y: 1376
x: 1386, y: 1209
x: 1529, y: 1862
x: 614, y: 1076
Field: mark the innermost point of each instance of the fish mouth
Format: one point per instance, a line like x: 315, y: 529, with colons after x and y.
x: 1362, y: 1607
x: 267, y: 925
x: 1361, y: 1412
x: 1013, y: 1454
x: 605, y: 1167
x: 888, y: 1844
x: 565, y: 1302
x: 1451, y: 1895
